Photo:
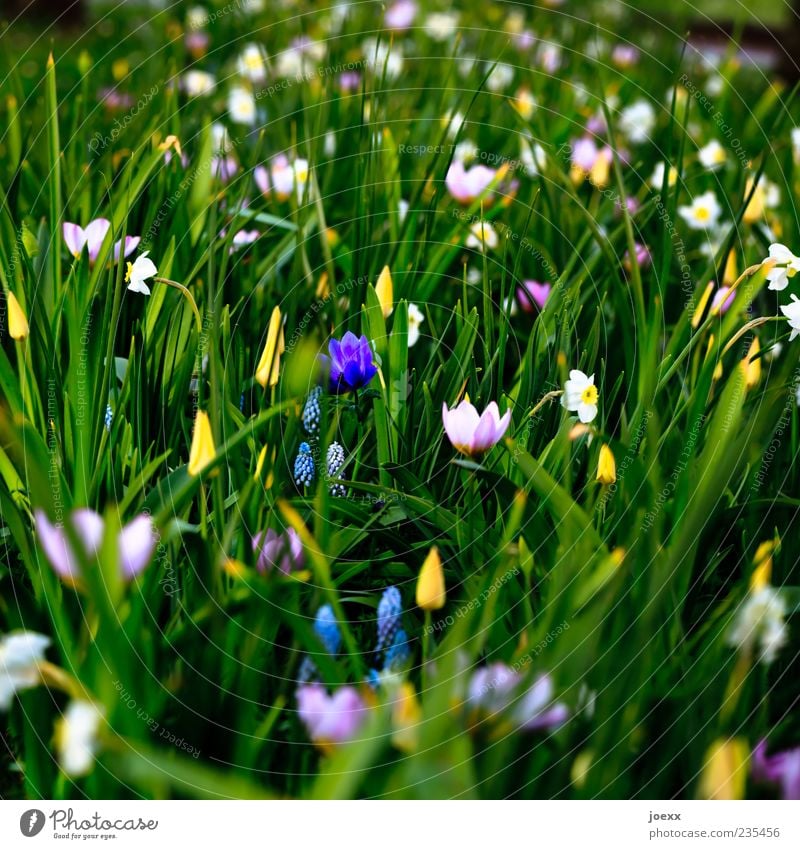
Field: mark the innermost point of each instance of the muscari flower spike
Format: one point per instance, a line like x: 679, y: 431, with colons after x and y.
x: 311, y: 411
x: 335, y: 460
x: 327, y: 630
x: 390, y: 609
x: 109, y: 417
x: 304, y: 466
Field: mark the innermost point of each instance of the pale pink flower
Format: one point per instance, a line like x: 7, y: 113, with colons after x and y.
x: 472, y: 434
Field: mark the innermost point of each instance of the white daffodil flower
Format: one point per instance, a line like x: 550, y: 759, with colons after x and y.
x: 703, y: 212
x: 792, y: 312
x: 20, y: 654
x: 415, y: 318
x: 580, y: 396
x: 77, y: 737
x: 139, y: 271
x: 786, y: 266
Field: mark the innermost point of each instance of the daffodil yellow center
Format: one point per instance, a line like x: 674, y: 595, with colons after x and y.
x: 701, y: 213
x: 589, y: 395
x: 128, y: 272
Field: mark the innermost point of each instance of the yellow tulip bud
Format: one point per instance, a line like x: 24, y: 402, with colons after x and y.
x: 724, y: 770
x: 606, y: 467
x: 752, y: 365
x: 269, y: 364
x: 202, y: 451
x: 762, y: 573
x: 17, y: 323
x: 580, y: 769
x: 701, y: 305
x: 406, y: 718
x: 385, y: 291
x: 430, y: 584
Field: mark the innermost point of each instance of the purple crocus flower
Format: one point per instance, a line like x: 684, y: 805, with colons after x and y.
x: 282, y: 550
x: 782, y: 768
x: 722, y: 301
x: 400, y: 15
x: 641, y: 255
x: 136, y: 541
x: 467, y: 184
x: 77, y: 238
x: 497, y: 690
x: 350, y: 362
x: 349, y: 81
x: 533, y: 295
x: 330, y: 719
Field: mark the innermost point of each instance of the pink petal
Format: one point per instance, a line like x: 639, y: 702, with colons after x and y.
x: 95, y: 235
x: 74, y: 237
x: 137, y: 541
x: 56, y: 547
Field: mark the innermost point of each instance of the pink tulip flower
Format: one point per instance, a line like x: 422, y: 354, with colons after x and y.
x: 136, y: 541
x: 472, y: 434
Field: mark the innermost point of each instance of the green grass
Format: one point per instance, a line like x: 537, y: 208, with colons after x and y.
x: 625, y: 592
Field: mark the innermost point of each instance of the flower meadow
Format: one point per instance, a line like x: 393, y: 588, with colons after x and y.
x: 397, y: 400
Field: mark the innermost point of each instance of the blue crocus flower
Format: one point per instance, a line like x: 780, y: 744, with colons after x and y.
x: 350, y: 363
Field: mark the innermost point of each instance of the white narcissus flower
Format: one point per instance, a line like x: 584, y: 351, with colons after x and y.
x: 196, y: 83
x: 242, y: 106
x: 637, y: 121
x: 415, y: 318
x: 792, y: 312
x: 252, y: 64
x: 533, y: 156
x: 703, y: 212
x: 712, y: 155
x: 77, y: 737
x: 482, y: 235
x: 786, y: 266
x: 657, y: 177
x: 440, y: 25
x: 20, y: 654
x: 580, y: 396
x: 139, y: 271
x: 760, y: 621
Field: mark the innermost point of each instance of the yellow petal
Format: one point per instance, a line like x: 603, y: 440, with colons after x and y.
x: 17, y: 323
x: 700, y: 307
x: 762, y: 573
x: 202, y: 451
x: 269, y: 362
x: 430, y: 584
x: 725, y: 770
x: 385, y: 291
x: 406, y: 719
x: 731, y: 270
x: 606, y: 466
x: 752, y: 365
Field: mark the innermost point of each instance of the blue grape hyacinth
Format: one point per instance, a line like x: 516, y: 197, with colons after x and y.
x: 109, y: 417
x: 334, y: 462
x: 311, y: 411
x: 390, y: 609
x: 304, y: 466
x: 327, y: 630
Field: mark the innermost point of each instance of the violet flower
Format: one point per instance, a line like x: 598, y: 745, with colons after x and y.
x: 722, y: 301
x: 532, y: 295
x: 350, y: 363
x: 400, y: 15
x: 136, y: 542
x: 782, y: 768
x: 472, y: 434
x: 282, y: 550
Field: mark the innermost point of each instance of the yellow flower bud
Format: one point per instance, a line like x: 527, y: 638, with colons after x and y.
x: 270, y: 362
x: 430, y: 584
x: 724, y: 770
x: 762, y: 561
x: 17, y: 322
x: 406, y: 718
x: 606, y: 467
x: 202, y: 451
x: 385, y: 291
x: 752, y: 365
x: 701, y: 305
